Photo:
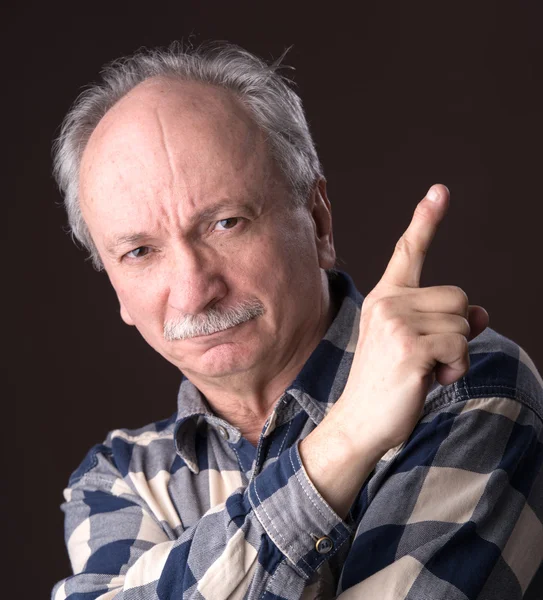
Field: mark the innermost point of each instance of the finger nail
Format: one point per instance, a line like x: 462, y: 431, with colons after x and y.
x: 433, y: 194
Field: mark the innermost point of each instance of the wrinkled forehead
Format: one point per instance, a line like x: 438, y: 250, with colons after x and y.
x: 165, y: 129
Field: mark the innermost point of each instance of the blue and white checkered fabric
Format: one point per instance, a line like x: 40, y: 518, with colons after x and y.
x: 187, y: 508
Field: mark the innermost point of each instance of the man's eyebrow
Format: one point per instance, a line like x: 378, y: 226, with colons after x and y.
x: 129, y: 239
x: 211, y: 211
x: 135, y: 239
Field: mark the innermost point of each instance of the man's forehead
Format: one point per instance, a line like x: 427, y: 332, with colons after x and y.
x: 161, y: 111
x: 167, y: 145
x: 169, y: 129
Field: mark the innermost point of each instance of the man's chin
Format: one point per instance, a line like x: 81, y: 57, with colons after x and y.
x: 218, y: 355
x: 221, y: 360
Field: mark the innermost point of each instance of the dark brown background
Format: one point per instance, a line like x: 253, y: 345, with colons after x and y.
x: 399, y: 95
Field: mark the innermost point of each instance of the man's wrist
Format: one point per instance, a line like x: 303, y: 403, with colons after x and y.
x: 337, y: 464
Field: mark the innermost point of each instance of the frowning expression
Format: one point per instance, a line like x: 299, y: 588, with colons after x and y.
x: 195, y: 225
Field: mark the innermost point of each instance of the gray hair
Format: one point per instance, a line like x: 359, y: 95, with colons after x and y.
x: 267, y: 95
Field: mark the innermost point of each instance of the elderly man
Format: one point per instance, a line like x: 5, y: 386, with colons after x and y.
x: 324, y: 445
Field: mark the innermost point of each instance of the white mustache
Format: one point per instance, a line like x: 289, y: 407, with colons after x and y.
x: 213, y: 320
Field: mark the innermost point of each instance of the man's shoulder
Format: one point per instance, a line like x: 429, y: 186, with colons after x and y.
x: 499, y: 367
x: 114, y: 454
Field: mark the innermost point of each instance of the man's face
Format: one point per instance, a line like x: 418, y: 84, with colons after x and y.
x: 189, y: 216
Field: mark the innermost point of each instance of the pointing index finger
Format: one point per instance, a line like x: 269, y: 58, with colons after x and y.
x: 405, y: 266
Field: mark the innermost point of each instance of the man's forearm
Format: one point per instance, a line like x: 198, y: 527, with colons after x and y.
x: 336, y: 468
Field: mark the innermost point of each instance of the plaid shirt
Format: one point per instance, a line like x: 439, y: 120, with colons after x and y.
x: 188, y: 508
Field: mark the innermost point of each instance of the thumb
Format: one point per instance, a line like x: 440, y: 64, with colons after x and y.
x: 478, y: 320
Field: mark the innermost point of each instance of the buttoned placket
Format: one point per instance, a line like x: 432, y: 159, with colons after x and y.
x: 268, y: 433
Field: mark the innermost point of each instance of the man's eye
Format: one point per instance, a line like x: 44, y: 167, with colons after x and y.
x: 138, y: 252
x: 229, y: 223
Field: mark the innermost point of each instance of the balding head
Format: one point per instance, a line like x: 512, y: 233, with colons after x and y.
x: 171, y: 142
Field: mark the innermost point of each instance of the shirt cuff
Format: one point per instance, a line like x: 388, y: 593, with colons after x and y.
x: 295, y: 516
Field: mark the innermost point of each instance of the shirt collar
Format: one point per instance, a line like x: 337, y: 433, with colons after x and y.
x: 318, y: 385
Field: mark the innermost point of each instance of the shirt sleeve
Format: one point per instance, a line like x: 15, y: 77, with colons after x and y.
x: 457, y: 513
x: 264, y: 538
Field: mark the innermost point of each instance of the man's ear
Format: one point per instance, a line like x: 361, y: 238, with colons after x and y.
x: 321, y: 212
x: 124, y: 314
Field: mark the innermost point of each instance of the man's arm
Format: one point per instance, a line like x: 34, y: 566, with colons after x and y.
x: 407, y: 336
x: 263, y: 538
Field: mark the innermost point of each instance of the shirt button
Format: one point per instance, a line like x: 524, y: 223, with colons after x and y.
x: 324, y: 545
x: 223, y: 432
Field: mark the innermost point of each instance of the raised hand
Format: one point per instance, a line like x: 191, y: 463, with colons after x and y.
x: 408, y: 334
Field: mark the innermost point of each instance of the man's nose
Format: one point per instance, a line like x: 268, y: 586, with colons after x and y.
x: 194, y: 280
